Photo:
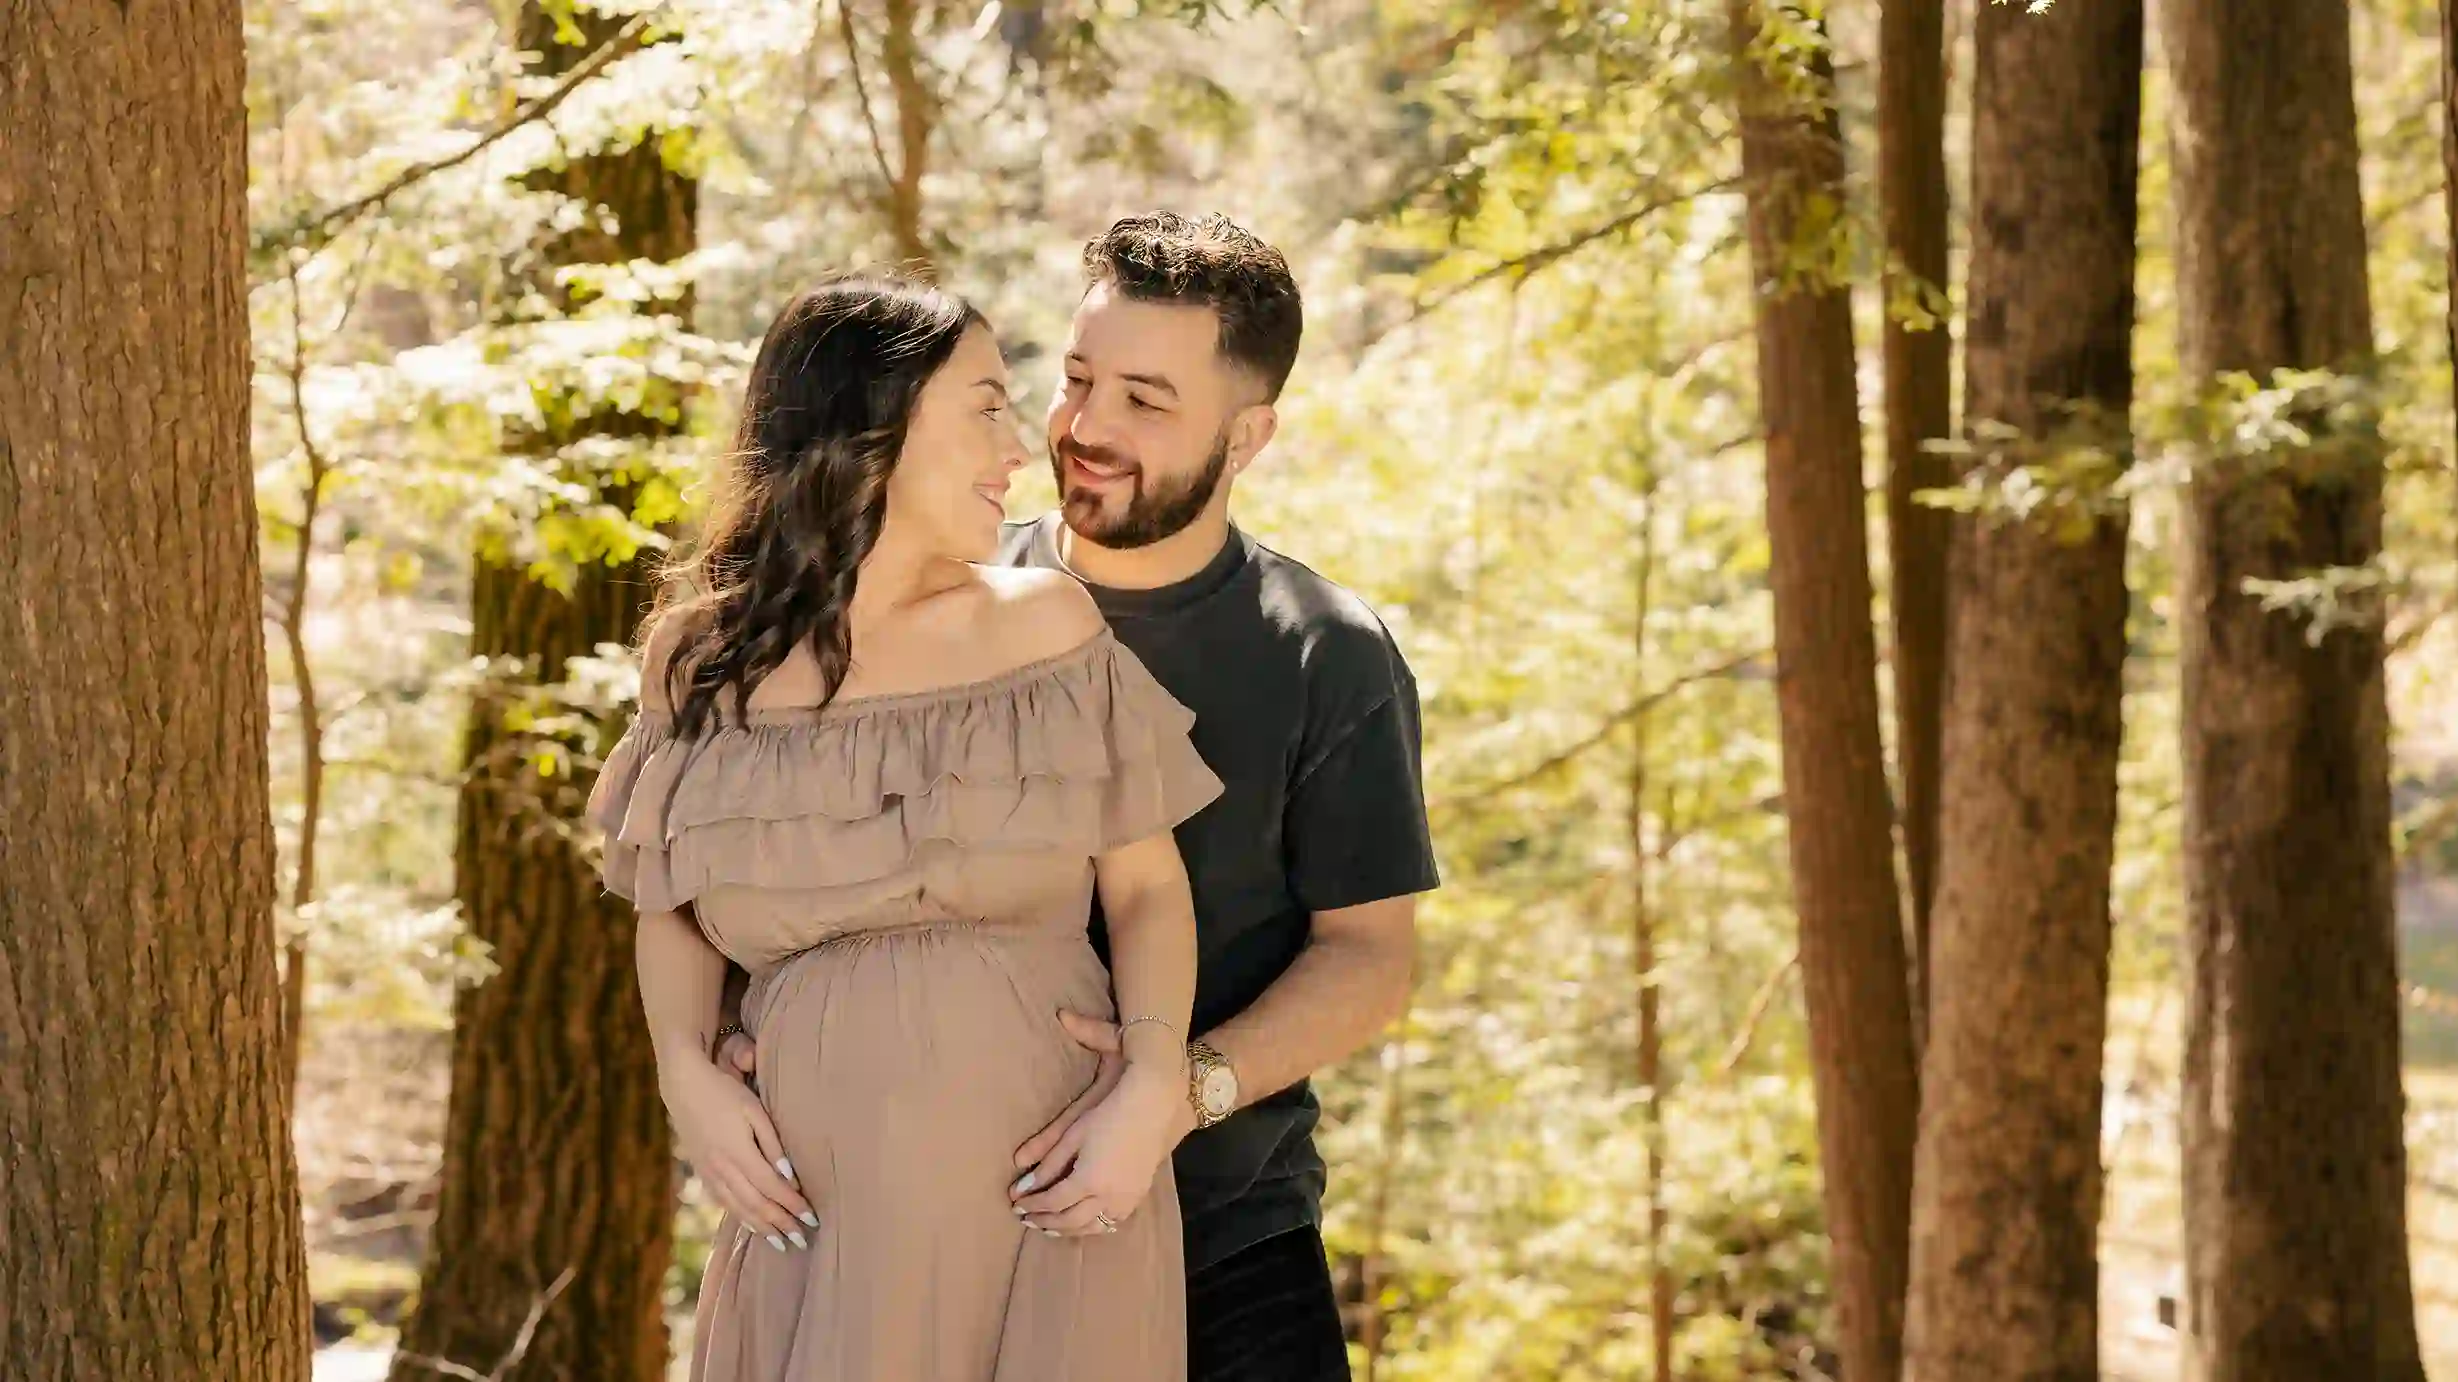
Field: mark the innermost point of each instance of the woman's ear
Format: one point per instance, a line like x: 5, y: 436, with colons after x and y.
x: 1249, y: 432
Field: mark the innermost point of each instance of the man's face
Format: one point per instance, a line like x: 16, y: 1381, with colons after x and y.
x: 1144, y: 428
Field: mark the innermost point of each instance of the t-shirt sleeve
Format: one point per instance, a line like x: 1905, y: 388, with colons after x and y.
x: 1156, y: 780
x: 1356, y: 826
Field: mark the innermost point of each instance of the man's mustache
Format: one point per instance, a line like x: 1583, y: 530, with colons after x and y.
x: 1097, y: 455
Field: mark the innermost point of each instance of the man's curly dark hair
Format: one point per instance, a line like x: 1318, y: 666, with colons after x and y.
x: 1209, y: 261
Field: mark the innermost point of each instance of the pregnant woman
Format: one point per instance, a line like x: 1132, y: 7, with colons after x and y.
x: 886, y: 781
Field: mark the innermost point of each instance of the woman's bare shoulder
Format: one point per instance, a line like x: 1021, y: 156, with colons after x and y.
x: 1034, y: 614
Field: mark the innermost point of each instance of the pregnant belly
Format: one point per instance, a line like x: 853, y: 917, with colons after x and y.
x: 903, y: 1069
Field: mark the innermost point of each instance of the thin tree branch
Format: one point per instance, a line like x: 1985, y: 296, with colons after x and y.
x: 351, y: 295
x: 1675, y: 838
x: 314, y: 232
x: 379, y: 1223
x: 1759, y: 1003
x: 1408, y: 183
x: 1526, y: 265
x: 1679, y: 366
x: 1443, y: 48
x: 512, y: 1357
x: 445, y: 1366
x: 2413, y: 200
x: 302, y: 675
x: 2426, y: 613
x: 1563, y: 757
x: 870, y: 122
x: 529, y: 1327
x: 1520, y: 269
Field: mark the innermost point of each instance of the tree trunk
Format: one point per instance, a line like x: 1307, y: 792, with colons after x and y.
x: 2007, y: 1190
x: 1374, y: 1272
x: 1919, y: 407
x: 2295, y: 1164
x: 148, y: 1185
x: 292, y: 616
x: 2449, y: 172
x: 916, y: 112
x: 1645, y: 958
x: 1854, y: 977
x: 557, y: 1154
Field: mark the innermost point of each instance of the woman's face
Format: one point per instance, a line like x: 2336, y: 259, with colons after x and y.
x: 949, y: 491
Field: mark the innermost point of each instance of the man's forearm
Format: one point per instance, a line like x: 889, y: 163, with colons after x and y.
x: 1348, y: 984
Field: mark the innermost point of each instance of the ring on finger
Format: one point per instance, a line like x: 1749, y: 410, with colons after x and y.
x: 1108, y: 1224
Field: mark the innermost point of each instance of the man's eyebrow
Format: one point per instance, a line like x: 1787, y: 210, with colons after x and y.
x: 1149, y: 381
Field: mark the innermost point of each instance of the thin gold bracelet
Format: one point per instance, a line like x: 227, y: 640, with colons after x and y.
x: 1162, y: 1022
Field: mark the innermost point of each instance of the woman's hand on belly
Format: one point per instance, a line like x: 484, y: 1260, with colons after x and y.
x: 729, y: 1139
x: 1108, y: 1160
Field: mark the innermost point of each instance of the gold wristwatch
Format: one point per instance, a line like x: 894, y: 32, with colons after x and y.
x: 1211, y: 1084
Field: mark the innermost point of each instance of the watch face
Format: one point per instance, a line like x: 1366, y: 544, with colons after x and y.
x: 1220, y: 1090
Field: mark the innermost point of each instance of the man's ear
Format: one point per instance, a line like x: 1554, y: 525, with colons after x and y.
x: 1249, y: 432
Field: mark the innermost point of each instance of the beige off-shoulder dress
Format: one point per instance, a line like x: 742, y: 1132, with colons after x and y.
x: 907, y: 879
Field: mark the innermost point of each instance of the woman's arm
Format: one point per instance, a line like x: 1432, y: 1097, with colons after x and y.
x: 1105, y: 1162
x: 725, y: 1130
x: 1150, y: 912
x: 681, y: 980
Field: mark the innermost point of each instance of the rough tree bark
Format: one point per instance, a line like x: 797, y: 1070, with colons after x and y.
x: 1854, y: 977
x: 2006, y: 1196
x: 147, y: 1180
x: 1919, y: 408
x: 557, y: 1155
x: 2295, y: 1164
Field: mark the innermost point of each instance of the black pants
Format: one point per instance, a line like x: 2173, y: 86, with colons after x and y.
x: 1266, y: 1314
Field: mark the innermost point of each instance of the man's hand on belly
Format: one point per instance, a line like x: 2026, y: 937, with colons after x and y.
x: 1100, y: 1038
x: 740, y: 1054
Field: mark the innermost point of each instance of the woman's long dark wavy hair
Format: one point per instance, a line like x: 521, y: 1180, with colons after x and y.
x: 800, y: 500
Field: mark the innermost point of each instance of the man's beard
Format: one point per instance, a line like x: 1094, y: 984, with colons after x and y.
x: 1151, y: 514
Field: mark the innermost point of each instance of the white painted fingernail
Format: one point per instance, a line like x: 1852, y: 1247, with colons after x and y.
x: 1024, y: 1184
x: 1020, y: 1211
x: 809, y: 1218
x: 798, y: 1240
x: 775, y: 1242
x: 1049, y: 1233
x: 785, y: 1168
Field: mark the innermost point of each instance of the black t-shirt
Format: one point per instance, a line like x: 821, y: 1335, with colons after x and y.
x: 1305, y: 709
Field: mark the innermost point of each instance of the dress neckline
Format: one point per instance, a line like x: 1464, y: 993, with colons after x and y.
x: 884, y: 702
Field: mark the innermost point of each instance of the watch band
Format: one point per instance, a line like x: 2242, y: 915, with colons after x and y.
x: 1202, y: 1059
